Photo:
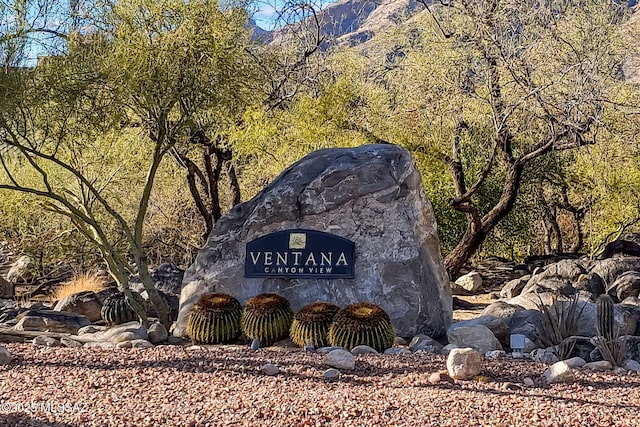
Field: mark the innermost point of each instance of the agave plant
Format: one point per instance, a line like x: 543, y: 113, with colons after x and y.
x: 311, y: 324
x: 362, y: 323
x: 215, y: 319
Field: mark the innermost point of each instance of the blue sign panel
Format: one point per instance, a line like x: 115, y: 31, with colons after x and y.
x: 300, y: 254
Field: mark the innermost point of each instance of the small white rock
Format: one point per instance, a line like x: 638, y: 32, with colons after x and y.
x: 517, y: 355
x: 124, y: 344
x: 331, y: 374
x: 255, y: 344
x: 399, y: 341
x: 340, y: 359
x: 559, y: 372
x: 141, y: 344
x: 269, y: 369
x: 528, y: 382
x: 195, y: 347
x: 464, y: 363
x: 99, y: 344
x: 45, y: 341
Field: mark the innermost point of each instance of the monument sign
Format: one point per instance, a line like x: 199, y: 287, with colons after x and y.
x: 300, y: 254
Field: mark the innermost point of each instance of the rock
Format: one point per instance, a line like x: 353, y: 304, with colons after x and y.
x: 83, y: 303
x: 355, y: 193
x: 340, y: 359
x: 269, y: 369
x: 583, y: 347
x: 44, y: 320
x: 497, y: 325
x: 7, y: 289
x: 547, y: 355
x: 141, y: 344
x: 501, y: 309
x: 514, y: 287
x: 69, y: 342
x: 285, y: 343
x: 464, y: 363
x: 470, y: 283
x: 558, y: 277
x: 397, y: 350
x: 559, y: 372
x: 496, y: 354
x: 622, y: 247
x: 91, y: 329
x: 599, y: 366
x: 331, y: 374
x: 575, y: 362
x: 129, y: 331
x: 511, y: 386
x: 167, y: 278
x: 592, y: 283
x: 400, y: 341
x: 528, y: 382
x: 45, y: 341
x: 255, y: 344
x: 19, y: 271
x: 424, y: 343
x: 626, y: 285
x: 478, y: 337
x: 124, y: 344
x: 609, y: 269
x: 102, y: 345
x: 632, y: 365
x: 440, y: 377
x: 363, y: 349
x: 157, y: 333
x: 5, y: 356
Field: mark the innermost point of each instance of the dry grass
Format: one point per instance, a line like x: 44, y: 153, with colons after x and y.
x: 81, y: 283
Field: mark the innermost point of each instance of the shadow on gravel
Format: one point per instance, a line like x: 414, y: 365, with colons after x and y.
x: 19, y: 420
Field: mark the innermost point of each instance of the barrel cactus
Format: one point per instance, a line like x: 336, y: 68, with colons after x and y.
x: 267, y: 317
x: 116, y: 309
x: 362, y: 323
x: 311, y: 324
x: 215, y: 319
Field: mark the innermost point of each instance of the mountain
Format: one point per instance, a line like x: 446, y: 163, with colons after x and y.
x: 350, y: 22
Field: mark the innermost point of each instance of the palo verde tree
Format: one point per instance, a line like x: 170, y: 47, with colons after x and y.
x: 128, y: 73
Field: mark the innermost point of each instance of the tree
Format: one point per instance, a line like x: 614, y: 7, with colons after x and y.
x: 144, y: 71
x: 488, y: 90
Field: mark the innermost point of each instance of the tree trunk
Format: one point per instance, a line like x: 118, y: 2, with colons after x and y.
x: 475, y: 236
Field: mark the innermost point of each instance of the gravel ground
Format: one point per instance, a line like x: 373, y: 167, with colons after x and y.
x: 219, y: 386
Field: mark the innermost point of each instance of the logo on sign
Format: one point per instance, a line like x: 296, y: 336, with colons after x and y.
x: 300, y: 253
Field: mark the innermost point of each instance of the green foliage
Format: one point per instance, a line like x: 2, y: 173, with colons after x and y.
x: 312, y: 323
x: 215, y: 319
x: 362, y: 323
x: 267, y: 318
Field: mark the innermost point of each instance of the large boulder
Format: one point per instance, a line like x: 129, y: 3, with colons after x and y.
x: 611, y: 268
x: 85, y: 303
x: 371, y: 195
x: 558, y: 277
x: 45, y: 320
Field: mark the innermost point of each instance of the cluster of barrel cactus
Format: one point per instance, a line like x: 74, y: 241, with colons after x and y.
x: 267, y: 318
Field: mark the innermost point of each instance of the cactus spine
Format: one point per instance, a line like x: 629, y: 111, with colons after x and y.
x: 605, y: 326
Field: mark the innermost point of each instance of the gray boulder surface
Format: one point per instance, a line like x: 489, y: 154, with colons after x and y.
x: 371, y: 195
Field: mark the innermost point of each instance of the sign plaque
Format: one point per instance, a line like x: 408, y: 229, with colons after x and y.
x: 300, y: 254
